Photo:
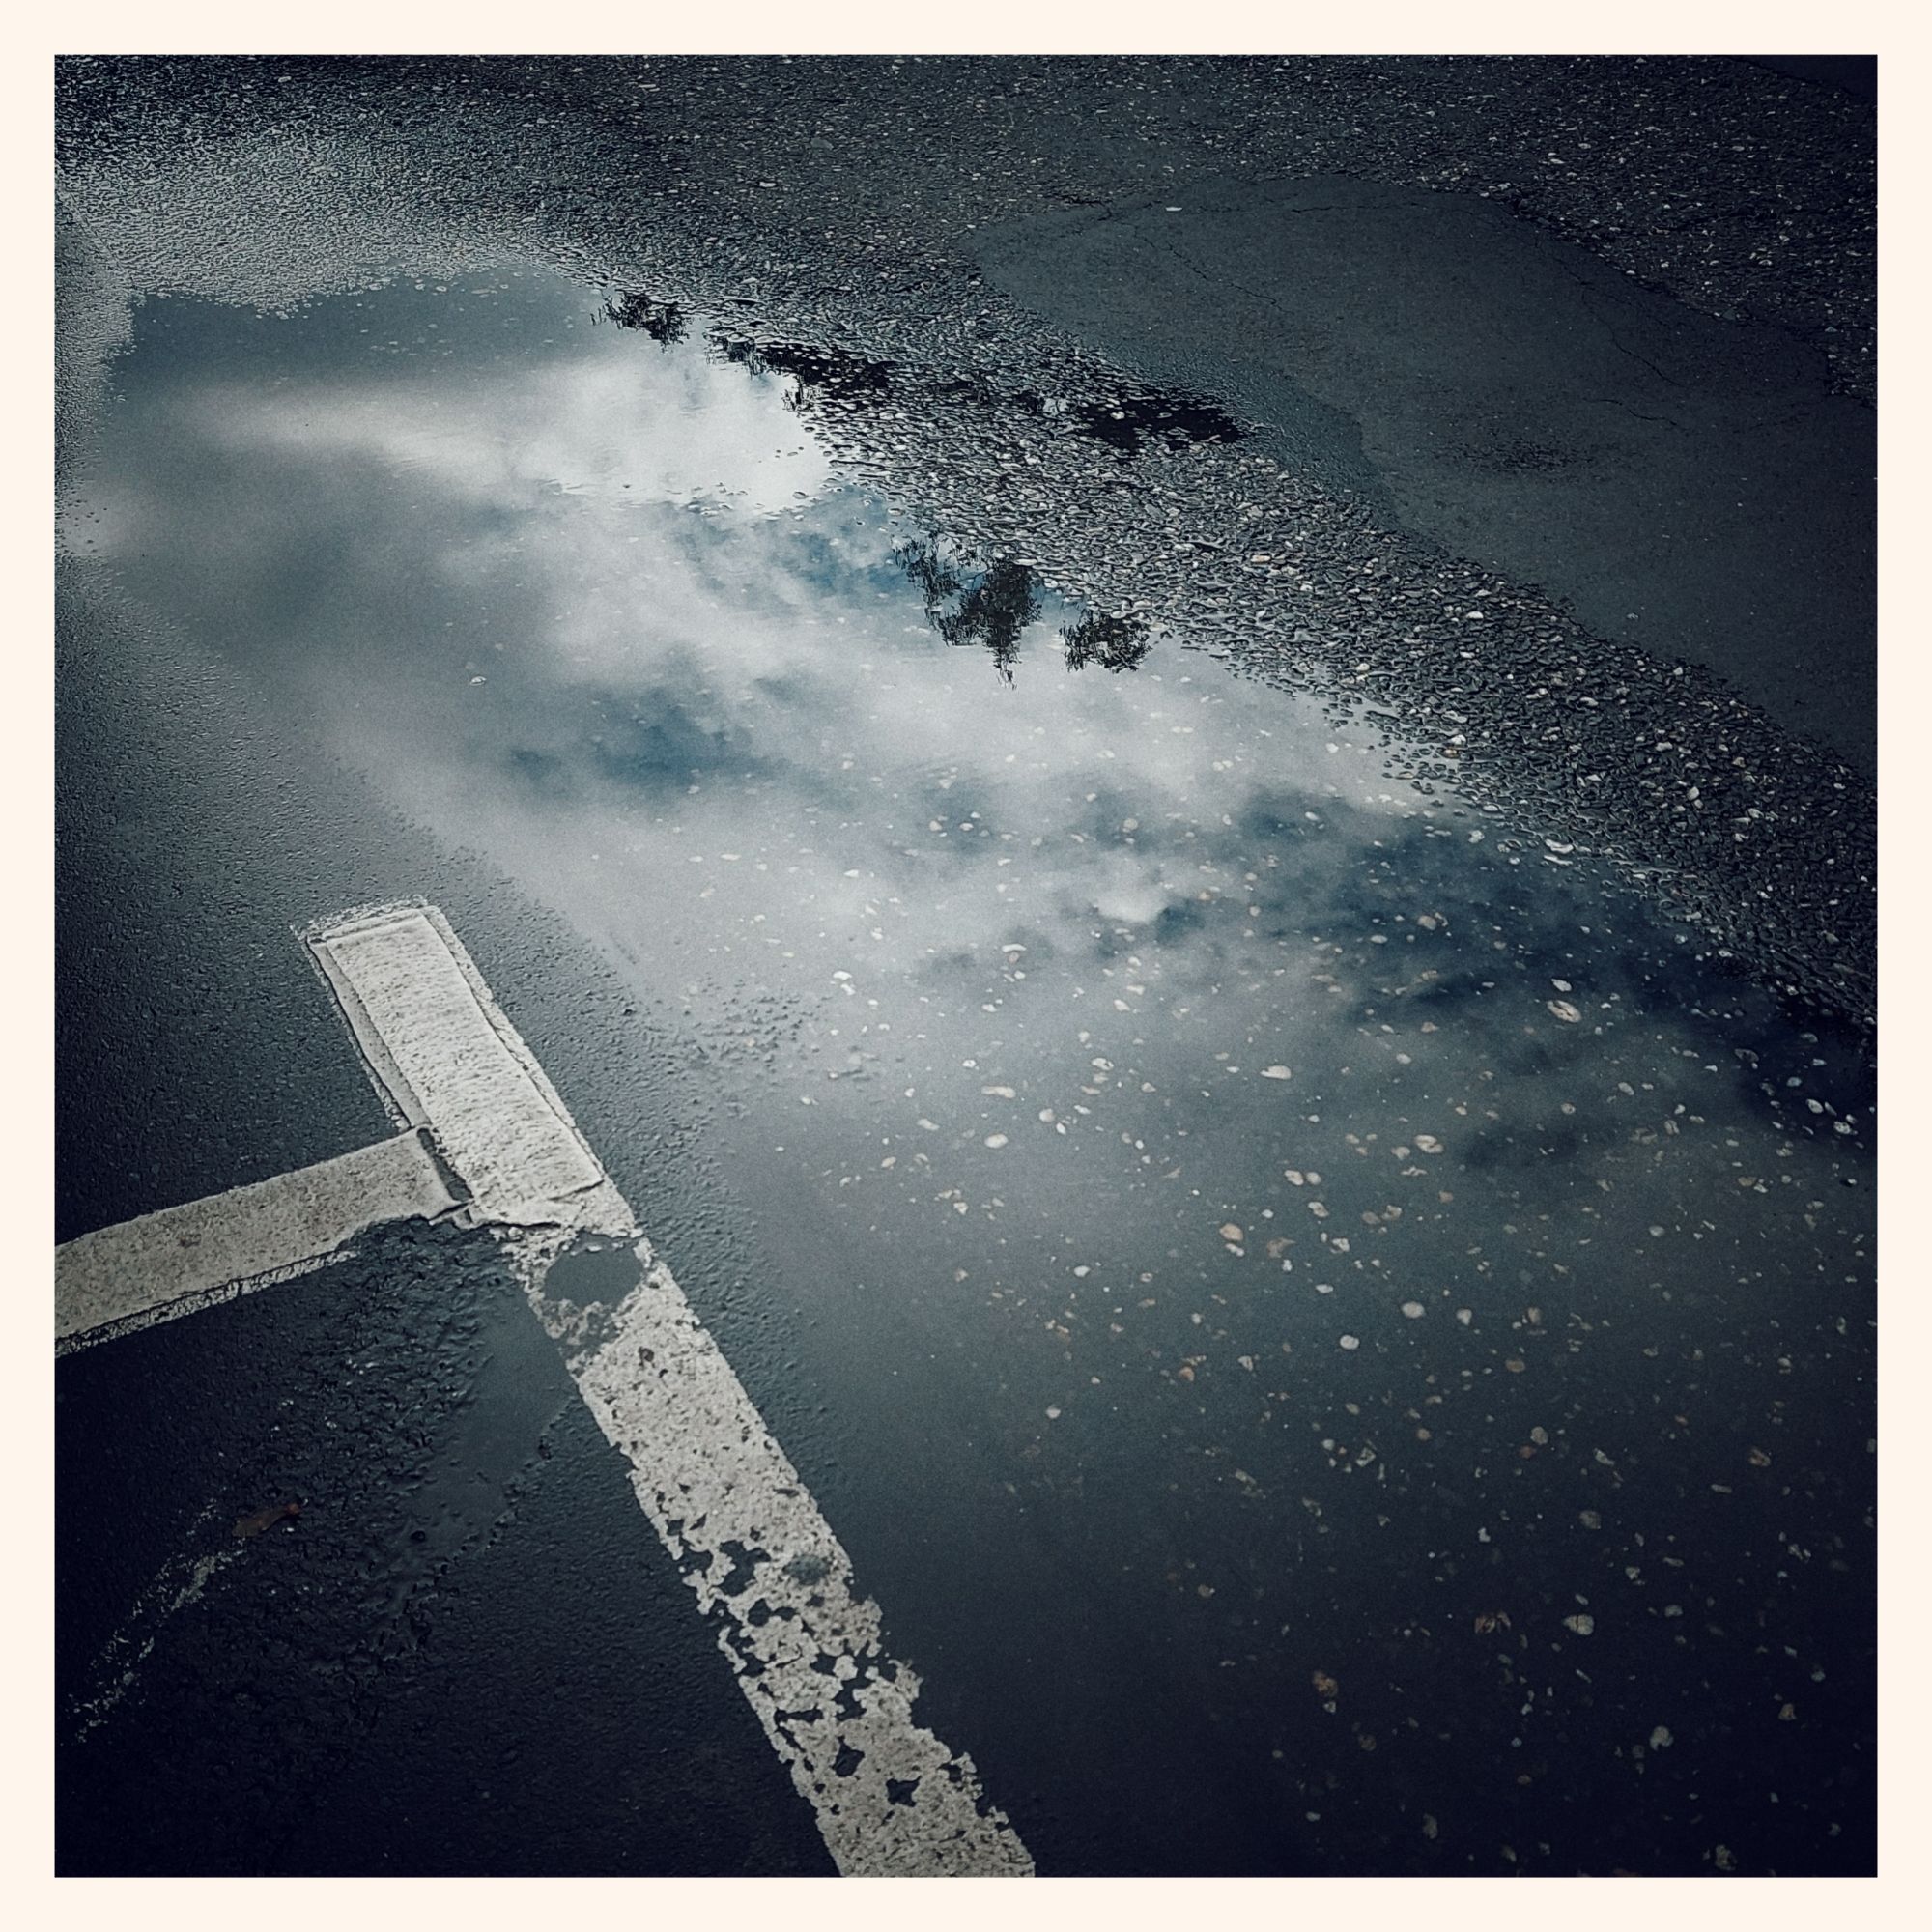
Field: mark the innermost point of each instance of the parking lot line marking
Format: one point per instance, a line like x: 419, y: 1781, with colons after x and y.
x: 172, y: 1262
x: 808, y: 1650
x: 891, y: 1799
x: 445, y: 1056
x: 809, y: 1653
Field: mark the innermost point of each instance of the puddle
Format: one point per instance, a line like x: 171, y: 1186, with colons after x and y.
x: 1262, y: 1142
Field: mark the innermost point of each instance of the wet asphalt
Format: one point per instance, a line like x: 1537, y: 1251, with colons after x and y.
x: 1673, y: 479
x: 1238, y: 1568
x: 334, y: 1700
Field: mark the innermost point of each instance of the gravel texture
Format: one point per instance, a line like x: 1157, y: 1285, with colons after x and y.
x: 828, y: 210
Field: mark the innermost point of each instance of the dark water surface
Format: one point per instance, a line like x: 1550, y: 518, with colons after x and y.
x: 1344, y: 1349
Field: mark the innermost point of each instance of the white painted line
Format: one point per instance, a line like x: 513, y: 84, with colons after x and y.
x: 445, y: 1055
x: 808, y: 1652
x: 171, y: 1262
x: 889, y: 1798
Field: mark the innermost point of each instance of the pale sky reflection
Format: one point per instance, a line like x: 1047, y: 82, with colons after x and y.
x: 599, y: 611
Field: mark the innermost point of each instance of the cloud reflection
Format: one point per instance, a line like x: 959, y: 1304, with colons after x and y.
x: 599, y: 609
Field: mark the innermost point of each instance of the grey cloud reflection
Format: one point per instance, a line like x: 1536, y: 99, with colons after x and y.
x: 602, y: 613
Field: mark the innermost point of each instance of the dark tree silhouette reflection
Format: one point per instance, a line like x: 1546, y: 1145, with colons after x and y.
x: 818, y: 376
x: 1117, y: 644
x: 738, y: 349
x: 828, y: 372
x: 991, y: 609
x: 664, y: 322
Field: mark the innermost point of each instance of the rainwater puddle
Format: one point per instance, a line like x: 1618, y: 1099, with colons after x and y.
x: 1308, y: 1192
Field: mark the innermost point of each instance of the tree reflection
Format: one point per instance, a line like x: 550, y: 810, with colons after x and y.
x: 991, y: 609
x: 818, y: 375
x: 1117, y: 644
x: 1128, y: 421
x: 737, y: 349
x: 829, y: 372
x: 663, y: 322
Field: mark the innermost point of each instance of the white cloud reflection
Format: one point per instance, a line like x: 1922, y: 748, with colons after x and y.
x: 602, y: 421
x: 587, y: 551
x: 597, y: 612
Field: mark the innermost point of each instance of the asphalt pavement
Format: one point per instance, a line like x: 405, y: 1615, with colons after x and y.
x: 1675, y: 480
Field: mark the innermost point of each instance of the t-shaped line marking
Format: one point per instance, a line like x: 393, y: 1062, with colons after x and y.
x: 484, y: 1140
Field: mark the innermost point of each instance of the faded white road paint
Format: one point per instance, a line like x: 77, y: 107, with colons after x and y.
x: 177, y: 1260
x: 446, y: 1057
x: 891, y: 1799
x: 181, y: 1582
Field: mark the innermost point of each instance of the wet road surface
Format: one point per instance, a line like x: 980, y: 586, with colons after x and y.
x: 1517, y: 401
x: 1340, y: 1337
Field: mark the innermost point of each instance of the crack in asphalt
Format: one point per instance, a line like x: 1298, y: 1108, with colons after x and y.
x: 1668, y: 422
